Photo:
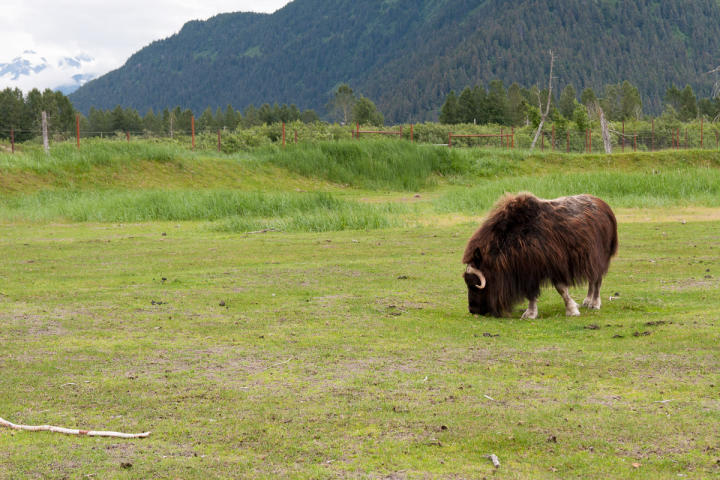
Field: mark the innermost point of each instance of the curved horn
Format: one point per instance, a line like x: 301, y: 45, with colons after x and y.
x: 475, y: 271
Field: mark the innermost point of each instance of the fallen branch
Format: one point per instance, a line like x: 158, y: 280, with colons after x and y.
x: 71, y: 431
x: 494, y: 459
x: 275, y: 365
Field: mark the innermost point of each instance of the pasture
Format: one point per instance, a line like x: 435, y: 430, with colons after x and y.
x: 265, y: 320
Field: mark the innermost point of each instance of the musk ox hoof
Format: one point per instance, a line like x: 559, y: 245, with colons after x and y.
x: 571, y: 310
x: 592, y: 304
x: 529, y: 314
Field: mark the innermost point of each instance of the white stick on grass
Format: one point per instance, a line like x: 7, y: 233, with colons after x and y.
x: 71, y: 431
x: 494, y: 459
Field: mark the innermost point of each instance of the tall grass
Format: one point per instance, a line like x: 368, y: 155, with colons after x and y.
x: 65, y: 157
x: 371, y: 164
x: 691, y: 186
x: 242, y: 211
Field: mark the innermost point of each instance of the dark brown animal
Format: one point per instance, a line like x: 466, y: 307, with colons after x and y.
x: 527, y: 242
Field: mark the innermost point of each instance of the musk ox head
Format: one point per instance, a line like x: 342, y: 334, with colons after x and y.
x: 478, y: 301
x: 483, y: 295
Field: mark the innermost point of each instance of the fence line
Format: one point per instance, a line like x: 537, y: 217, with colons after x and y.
x: 621, y: 140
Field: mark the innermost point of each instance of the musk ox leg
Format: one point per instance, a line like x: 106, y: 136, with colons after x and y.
x: 571, y: 308
x: 592, y: 301
x: 531, y: 311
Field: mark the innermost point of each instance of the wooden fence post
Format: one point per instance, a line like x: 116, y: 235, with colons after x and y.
x: 46, y: 143
x: 219, y: 144
x: 652, y: 141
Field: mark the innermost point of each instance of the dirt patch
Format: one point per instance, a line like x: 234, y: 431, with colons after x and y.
x: 690, y: 284
x: 672, y: 214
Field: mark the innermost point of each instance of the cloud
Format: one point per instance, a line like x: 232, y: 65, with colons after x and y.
x: 107, y: 31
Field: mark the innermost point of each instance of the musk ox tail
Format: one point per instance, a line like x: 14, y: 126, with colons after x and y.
x: 613, y: 246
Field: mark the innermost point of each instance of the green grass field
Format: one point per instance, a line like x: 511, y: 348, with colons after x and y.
x: 264, y: 321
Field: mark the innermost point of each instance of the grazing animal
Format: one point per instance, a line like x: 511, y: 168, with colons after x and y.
x: 527, y: 242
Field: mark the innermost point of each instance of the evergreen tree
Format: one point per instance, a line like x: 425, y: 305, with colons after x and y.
x: 450, y: 111
x: 467, y: 107
x: 14, y: 115
x: 309, y: 116
x: 631, y: 105
x: 497, y: 103
x: 250, y: 117
x: 117, y: 119
x: 588, y: 97
x: 688, y: 106
x: 232, y: 117
x: 709, y: 108
x: 517, y: 111
x: 683, y: 102
x: 480, y: 101
x: 206, y: 122
x: 152, y: 123
x: 566, y: 103
x: 365, y: 112
x: 219, y: 118
x: 580, y: 117
x: 621, y: 102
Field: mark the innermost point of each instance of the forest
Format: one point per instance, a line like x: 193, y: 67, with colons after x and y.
x: 408, y: 55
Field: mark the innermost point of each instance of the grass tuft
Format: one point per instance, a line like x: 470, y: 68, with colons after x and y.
x: 243, y: 211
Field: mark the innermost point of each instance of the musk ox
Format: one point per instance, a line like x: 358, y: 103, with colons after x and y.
x: 527, y: 242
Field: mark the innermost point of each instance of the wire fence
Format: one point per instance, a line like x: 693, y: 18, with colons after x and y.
x: 642, y: 136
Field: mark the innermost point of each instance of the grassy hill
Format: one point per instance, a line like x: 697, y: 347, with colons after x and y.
x: 407, y: 55
x: 337, y: 184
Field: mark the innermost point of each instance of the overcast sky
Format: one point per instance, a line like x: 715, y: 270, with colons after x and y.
x: 107, y: 31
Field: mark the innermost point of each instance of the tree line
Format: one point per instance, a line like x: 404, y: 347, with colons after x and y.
x: 180, y: 121
x: 517, y: 105
x: 512, y: 106
x: 21, y: 114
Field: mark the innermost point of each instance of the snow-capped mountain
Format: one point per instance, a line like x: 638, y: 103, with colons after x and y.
x: 33, y: 70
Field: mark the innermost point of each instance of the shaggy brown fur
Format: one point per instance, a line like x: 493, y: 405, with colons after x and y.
x: 527, y: 242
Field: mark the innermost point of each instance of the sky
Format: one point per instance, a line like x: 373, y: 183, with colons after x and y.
x: 109, y: 32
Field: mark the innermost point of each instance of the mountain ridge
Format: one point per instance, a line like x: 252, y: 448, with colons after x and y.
x: 407, y: 55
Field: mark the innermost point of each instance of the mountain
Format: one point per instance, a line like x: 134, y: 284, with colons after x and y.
x: 406, y: 55
x: 64, y: 73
